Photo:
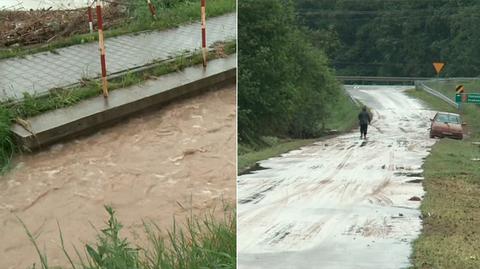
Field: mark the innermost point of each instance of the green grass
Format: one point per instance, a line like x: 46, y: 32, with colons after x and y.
x: 451, y: 208
x: 206, y: 242
x: 431, y: 101
x: 342, y: 118
x: 140, y: 20
x: 448, y: 86
x: 7, y: 146
x: 60, y: 98
x: 249, y: 155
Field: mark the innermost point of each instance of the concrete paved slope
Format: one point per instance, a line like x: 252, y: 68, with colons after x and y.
x: 40, y: 72
x: 90, y: 114
x: 338, y: 203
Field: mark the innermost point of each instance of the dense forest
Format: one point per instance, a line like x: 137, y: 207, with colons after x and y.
x: 396, y: 37
x: 285, y: 85
x: 290, y: 50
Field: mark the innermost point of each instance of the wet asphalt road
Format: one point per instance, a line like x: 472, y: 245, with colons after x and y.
x: 340, y: 203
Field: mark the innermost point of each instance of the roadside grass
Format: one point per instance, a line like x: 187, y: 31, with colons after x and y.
x: 447, y: 86
x: 431, y: 101
x: 272, y: 146
x: 451, y: 207
x: 7, y: 147
x: 32, y: 105
x: 203, y: 242
x: 168, y: 16
x: 342, y: 118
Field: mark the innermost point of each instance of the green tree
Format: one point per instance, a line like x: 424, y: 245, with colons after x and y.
x: 285, y: 85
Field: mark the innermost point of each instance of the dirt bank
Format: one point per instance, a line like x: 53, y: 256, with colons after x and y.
x: 167, y: 163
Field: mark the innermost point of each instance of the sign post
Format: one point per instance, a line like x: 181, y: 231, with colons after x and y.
x: 203, y: 7
x: 460, y: 89
x: 90, y: 17
x: 101, y: 44
x: 152, y: 8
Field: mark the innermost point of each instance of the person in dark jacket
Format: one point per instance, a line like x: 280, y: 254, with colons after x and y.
x: 364, y: 119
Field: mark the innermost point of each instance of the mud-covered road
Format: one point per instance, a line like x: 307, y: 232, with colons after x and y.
x: 338, y: 203
x: 176, y: 161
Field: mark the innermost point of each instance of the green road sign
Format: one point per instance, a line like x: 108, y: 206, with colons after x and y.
x: 473, y: 98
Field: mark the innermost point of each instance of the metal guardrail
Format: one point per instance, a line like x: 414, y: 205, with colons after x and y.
x: 410, y: 80
x: 421, y: 85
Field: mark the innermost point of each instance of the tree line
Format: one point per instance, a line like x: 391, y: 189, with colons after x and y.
x: 396, y: 37
x: 285, y: 87
x: 288, y: 49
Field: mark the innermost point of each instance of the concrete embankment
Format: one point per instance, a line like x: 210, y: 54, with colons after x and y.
x: 91, y: 114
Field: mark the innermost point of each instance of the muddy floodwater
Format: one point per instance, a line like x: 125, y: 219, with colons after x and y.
x: 341, y: 203
x: 42, y: 4
x: 170, y: 162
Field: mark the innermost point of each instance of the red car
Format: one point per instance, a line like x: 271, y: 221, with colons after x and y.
x: 447, y: 125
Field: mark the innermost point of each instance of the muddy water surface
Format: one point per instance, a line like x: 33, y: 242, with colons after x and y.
x: 166, y: 163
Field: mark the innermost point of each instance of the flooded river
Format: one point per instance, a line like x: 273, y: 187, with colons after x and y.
x: 166, y: 163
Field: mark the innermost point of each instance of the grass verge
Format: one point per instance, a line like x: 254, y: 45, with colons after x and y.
x: 206, y: 242
x: 342, y: 119
x: 59, y: 98
x: 448, y: 86
x: 139, y: 20
x: 451, y: 208
x: 271, y: 146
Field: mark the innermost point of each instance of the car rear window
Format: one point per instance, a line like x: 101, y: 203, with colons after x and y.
x: 448, y: 118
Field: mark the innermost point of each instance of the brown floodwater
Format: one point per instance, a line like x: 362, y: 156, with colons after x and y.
x: 163, y: 164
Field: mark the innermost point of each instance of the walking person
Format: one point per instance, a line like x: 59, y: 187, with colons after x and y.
x: 364, y: 119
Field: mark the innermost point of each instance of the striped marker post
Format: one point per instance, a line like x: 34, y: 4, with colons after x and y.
x: 101, y: 44
x: 90, y: 17
x: 152, y: 9
x: 204, y: 33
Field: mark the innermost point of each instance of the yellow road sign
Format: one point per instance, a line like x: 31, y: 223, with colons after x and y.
x: 460, y: 89
x: 438, y: 66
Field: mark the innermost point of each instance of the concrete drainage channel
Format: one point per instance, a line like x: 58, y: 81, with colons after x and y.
x: 91, y: 114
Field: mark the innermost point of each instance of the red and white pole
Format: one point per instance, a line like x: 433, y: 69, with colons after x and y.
x: 204, y: 32
x: 90, y: 17
x: 101, y: 44
x: 152, y: 9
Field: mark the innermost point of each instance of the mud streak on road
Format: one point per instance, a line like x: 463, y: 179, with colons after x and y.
x: 338, y: 203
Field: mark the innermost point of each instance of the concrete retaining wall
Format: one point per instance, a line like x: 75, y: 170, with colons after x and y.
x: 92, y: 114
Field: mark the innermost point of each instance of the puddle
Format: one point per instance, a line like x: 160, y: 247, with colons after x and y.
x: 256, y: 167
x: 415, y: 181
x: 409, y: 174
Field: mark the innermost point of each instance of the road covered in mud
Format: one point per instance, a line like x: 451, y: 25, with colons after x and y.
x: 340, y: 203
x: 176, y: 161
